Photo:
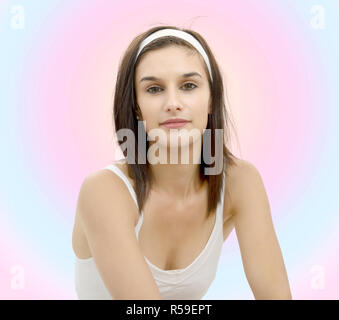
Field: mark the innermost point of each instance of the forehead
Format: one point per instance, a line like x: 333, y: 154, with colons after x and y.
x: 172, y: 60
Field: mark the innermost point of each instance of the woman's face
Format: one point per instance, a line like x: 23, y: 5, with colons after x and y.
x: 163, y: 92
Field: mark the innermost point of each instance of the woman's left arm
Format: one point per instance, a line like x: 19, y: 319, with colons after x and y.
x: 260, y: 251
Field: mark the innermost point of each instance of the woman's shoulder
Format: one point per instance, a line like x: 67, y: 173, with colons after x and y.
x: 104, y: 171
x: 239, y: 177
x: 123, y: 166
x: 103, y: 181
x: 241, y: 170
x: 239, y: 167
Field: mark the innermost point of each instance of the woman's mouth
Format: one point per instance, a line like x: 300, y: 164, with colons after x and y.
x: 175, y: 125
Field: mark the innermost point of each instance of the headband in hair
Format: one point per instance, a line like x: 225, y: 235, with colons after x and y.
x: 178, y: 34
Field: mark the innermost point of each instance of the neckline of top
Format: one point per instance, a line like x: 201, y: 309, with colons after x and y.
x: 201, y: 254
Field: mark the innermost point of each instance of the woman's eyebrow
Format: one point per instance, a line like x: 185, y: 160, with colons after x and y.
x: 185, y: 75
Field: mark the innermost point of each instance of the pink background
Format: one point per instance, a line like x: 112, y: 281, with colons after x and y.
x: 57, y: 80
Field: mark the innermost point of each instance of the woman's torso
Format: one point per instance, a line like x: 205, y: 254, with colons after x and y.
x: 182, y: 233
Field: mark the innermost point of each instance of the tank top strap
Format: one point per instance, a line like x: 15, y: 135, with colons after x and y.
x: 119, y: 173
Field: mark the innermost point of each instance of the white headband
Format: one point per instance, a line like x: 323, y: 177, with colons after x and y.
x: 179, y: 34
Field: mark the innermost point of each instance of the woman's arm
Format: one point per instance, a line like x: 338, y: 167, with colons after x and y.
x: 107, y: 212
x: 260, y: 251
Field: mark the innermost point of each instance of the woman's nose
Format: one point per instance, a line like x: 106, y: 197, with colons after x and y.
x: 173, y: 102
x: 172, y: 107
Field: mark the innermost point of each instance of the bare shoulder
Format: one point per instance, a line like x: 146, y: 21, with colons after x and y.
x: 241, y: 169
x: 107, y: 214
x: 103, y: 188
x: 260, y: 251
x: 241, y: 177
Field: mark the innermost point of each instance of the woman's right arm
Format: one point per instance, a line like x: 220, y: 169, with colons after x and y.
x: 107, y: 213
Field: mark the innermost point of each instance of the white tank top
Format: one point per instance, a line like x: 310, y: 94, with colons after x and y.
x: 190, y: 283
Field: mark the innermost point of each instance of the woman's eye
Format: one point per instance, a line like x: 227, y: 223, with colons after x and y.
x: 187, y: 85
x: 152, y: 90
x: 191, y: 84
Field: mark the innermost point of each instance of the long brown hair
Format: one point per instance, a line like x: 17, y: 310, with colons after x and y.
x: 125, y: 111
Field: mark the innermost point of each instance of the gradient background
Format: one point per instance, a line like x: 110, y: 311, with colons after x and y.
x: 57, y: 75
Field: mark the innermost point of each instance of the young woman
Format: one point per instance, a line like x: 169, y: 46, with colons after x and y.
x: 150, y: 230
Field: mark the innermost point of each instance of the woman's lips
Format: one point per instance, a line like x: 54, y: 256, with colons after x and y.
x: 175, y: 125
